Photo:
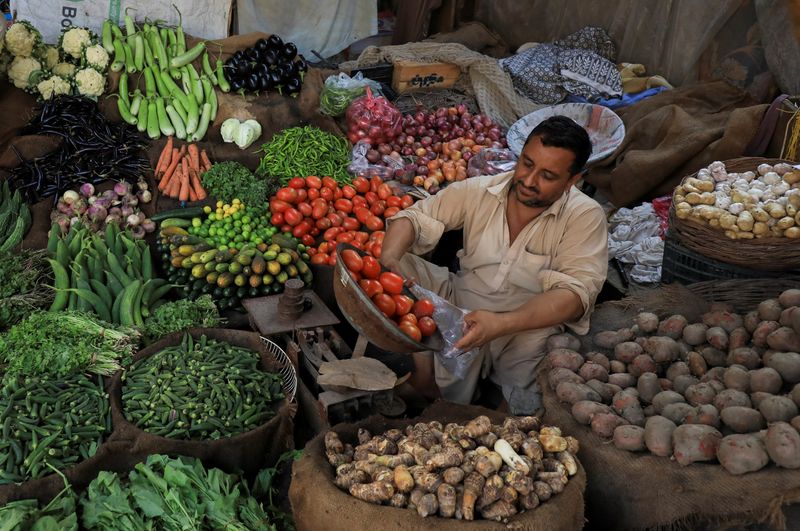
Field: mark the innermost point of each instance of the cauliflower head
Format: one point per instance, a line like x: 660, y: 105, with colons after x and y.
x: 53, y: 86
x: 2, y: 38
x: 97, y: 57
x: 74, y: 40
x: 22, y: 39
x: 24, y: 72
x: 48, y: 56
x: 65, y: 70
x: 90, y: 82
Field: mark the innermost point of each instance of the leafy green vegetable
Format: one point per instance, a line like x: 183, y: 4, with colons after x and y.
x: 23, y: 277
x: 230, y: 180
x: 58, y: 515
x: 63, y: 343
x: 264, y: 489
x: 180, y: 315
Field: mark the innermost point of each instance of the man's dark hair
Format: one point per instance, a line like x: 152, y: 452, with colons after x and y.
x: 563, y: 132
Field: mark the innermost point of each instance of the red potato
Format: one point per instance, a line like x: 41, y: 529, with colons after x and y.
x: 648, y: 386
x: 787, y: 364
x: 616, y: 366
x: 730, y: 398
x: 784, y: 339
x: 727, y: 320
x: 769, y: 310
x: 622, y: 379
x: 658, y: 432
x: 630, y: 438
x: 702, y: 393
x: 567, y: 341
x: 741, y: 454
x: 783, y: 445
x: 778, y: 408
x: 627, y: 405
x: 786, y: 316
x: 714, y: 357
x: 767, y: 380
x: 641, y: 364
x: 790, y: 297
x: 600, y: 359
x: 751, y: 321
x: 672, y: 326
x: 738, y: 338
x: 695, y: 334
x: 584, y: 410
x: 695, y: 442
x: 647, y: 322
x: 744, y: 356
x: 566, y: 358
x: 664, y: 398
x: 662, y: 349
x: 737, y: 378
x: 603, y: 389
x: 705, y: 414
x: 677, y: 369
x: 641, y: 341
x: 697, y: 364
x: 683, y: 382
x: 742, y: 419
x: 604, y: 424
x: 575, y: 392
x: 626, y: 352
x: 717, y: 337
x: 609, y: 339
x: 593, y: 371
x: 762, y: 331
x: 559, y: 375
x: 677, y: 412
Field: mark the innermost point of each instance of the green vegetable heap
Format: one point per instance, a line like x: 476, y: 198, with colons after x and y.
x: 180, y: 315
x: 15, y: 218
x: 304, y: 151
x: 231, y: 180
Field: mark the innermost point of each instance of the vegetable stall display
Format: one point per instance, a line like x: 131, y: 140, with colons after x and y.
x: 269, y: 65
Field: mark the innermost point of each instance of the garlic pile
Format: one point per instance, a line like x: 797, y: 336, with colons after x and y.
x: 760, y: 204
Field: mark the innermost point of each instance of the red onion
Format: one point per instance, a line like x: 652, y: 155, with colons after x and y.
x: 426, y: 141
x: 480, y: 139
x: 494, y: 133
x: 410, y: 140
x: 373, y: 156
x: 422, y: 170
x: 420, y: 152
x: 407, y: 151
x: 461, y: 108
x: 466, y: 156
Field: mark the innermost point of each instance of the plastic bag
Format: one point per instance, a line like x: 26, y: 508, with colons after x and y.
x: 341, y: 89
x: 450, y: 322
x: 373, y: 120
x: 491, y: 161
x: 386, y: 167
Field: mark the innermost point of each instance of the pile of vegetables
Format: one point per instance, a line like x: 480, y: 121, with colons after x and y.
x: 50, y: 423
x: 700, y: 391
x: 23, y: 289
x: 304, y: 151
x: 59, y: 513
x: 269, y: 65
x: 92, y: 150
x: 109, y: 274
x: 180, y: 315
x: 77, y: 65
x: 457, y: 471
x: 200, y: 389
x: 231, y: 180
x: 15, y: 218
x: 233, y: 225
x: 64, y: 343
x: 178, y: 171
x: 764, y: 203
x: 119, y: 205
x: 160, y: 54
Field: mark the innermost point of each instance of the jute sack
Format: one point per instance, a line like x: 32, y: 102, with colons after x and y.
x: 318, y: 504
x: 247, y: 452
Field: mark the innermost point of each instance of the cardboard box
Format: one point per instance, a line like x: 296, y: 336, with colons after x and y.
x: 409, y: 76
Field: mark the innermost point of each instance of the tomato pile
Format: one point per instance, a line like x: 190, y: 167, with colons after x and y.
x: 311, y: 207
x: 385, y: 289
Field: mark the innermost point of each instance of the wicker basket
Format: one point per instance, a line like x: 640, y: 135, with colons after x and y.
x: 764, y: 254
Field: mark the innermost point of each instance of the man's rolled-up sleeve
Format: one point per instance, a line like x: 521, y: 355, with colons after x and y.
x: 581, y: 262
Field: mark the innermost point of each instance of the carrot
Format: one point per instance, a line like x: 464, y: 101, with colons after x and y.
x: 175, y: 159
x: 205, y: 160
x: 192, y: 193
x: 194, y: 157
x: 183, y: 195
x: 196, y: 185
x: 164, y: 159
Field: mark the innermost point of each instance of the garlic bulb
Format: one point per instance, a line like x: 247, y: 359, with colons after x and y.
x: 764, y: 169
x: 771, y: 178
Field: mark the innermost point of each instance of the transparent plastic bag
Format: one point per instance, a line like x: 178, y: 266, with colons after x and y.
x: 491, y: 161
x: 386, y: 167
x: 341, y: 89
x: 373, y: 119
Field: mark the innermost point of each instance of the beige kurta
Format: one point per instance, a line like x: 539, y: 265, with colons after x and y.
x: 564, y: 247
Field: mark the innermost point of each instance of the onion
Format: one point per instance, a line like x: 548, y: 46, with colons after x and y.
x: 440, y: 113
x: 426, y: 141
x: 111, y: 218
x: 115, y: 211
x: 420, y: 152
x: 373, y: 156
x: 480, y: 139
x: 494, y: 134
x: 384, y: 149
x: 410, y: 140
x: 467, y: 155
x: 407, y: 151
x: 487, y: 122
x: 461, y: 108
x: 422, y: 170
x: 126, y: 212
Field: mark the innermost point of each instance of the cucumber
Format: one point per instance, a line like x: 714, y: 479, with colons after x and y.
x: 176, y: 222
x: 188, y: 212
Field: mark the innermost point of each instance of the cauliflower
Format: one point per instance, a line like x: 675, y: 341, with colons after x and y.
x: 48, y: 56
x: 74, y: 40
x: 65, y: 70
x: 96, y: 57
x: 53, y: 86
x: 24, y: 72
x: 22, y: 38
x: 2, y: 38
x: 90, y: 82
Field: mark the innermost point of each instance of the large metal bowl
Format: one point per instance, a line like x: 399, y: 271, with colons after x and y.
x: 365, y: 317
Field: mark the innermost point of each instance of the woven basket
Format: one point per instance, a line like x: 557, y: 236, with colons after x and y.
x: 764, y: 254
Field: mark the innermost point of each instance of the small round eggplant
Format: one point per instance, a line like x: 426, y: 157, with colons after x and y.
x: 242, y: 69
x: 261, y: 44
x: 239, y: 55
x: 236, y: 84
x: 275, y: 41
x: 275, y: 77
x: 289, y: 51
x: 251, y: 54
x: 270, y: 57
x: 263, y: 82
x: 301, y: 64
x: 261, y: 69
x: 251, y: 82
x: 293, y: 86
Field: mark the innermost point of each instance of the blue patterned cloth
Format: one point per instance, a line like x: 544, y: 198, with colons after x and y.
x: 617, y: 103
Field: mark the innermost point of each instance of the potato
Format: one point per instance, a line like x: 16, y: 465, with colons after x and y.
x: 616, y: 366
x: 740, y: 454
x: 778, y: 408
x: 609, y: 339
x: 567, y: 341
x: 666, y: 384
x: 662, y: 399
x: 584, y: 410
x: 769, y: 310
x: 783, y: 445
x: 744, y: 356
x: 738, y: 338
x: 647, y: 322
x: 751, y: 321
x: 795, y: 394
x: 730, y: 398
x: 787, y: 364
x: 662, y: 349
x: 714, y: 357
x: 796, y: 316
x: 627, y: 405
x: 742, y: 419
x: 602, y: 389
x: 786, y: 316
x: 614, y: 388
x: 683, y: 382
x: 766, y: 379
x: 604, y: 424
x: 658, y: 432
x: 790, y: 297
x: 697, y: 364
x: 695, y: 334
x: 677, y: 412
x: 642, y: 364
x: 716, y: 385
x: 736, y: 377
x: 563, y: 357
x: 727, y: 320
x: 600, y: 359
x: 622, y: 379
x: 672, y: 326
x: 702, y: 393
x: 641, y: 341
x: 784, y: 339
x: 627, y: 351
x: 695, y: 442
x: 762, y: 331
x: 560, y: 374
x: 795, y: 422
x: 705, y: 414
x: 630, y: 438
x: 677, y: 369
x: 593, y: 371
x: 575, y: 392
x: 766, y: 355
x: 758, y: 396
x: 648, y: 386
x: 717, y: 337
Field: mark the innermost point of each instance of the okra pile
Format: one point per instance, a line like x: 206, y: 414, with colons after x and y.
x: 203, y: 389
x: 50, y: 423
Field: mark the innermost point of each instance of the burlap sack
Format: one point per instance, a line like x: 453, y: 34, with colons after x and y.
x: 628, y: 490
x: 318, y: 504
x: 247, y: 452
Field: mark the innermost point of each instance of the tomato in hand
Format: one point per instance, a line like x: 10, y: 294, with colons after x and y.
x: 392, y: 282
x: 404, y: 303
x: 427, y: 326
x: 370, y: 287
x: 385, y: 304
x: 423, y: 308
x: 411, y: 330
x: 371, y: 269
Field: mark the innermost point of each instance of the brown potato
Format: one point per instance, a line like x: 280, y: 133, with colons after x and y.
x: 758, y: 396
x: 727, y: 320
x: 662, y: 399
x: 575, y: 392
x: 672, y: 326
x: 762, y: 331
x: 738, y: 338
x: 736, y: 377
x: 627, y: 405
x: 584, y: 410
x: 769, y: 310
x: 562, y: 357
x: 600, y: 359
x: 705, y: 414
x: 677, y: 369
x: 730, y: 398
x: 609, y: 339
x: 560, y: 374
x: 765, y: 379
x: 616, y: 367
x: 783, y: 445
x: 677, y: 412
x: 593, y: 371
x: 662, y: 349
x: 658, y: 432
x: 742, y: 419
x: 603, y: 389
x: 604, y: 424
x: 626, y: 352
x: 695, y: 442
x: 796, y: 321
x: 751, y: 321
x: 784, y: 339
x: 641, y: 364
x: 740, y: 454
x: 695, y: 334
x: 715, y: 373
x: 795, y: 422
x: 614, y: 388
x: 683, y: 382
x: 778, y: 408
x: 630, y: 438
x: 702, y: 393
x: 714, y: 357
x: 744, y: 356
x: 648, y: 386
x: 717, y: 337
x: 622, y: 379
x: 666, y: 384
x: 716, y: 385
x: 787, y: 364
x: 786, y: 316
x: 790, y: 297
x: 567, y: 341
x: 647, y: 322
x: 697, y: 364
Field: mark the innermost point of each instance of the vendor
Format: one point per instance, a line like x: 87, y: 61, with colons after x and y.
x: 533, y: 262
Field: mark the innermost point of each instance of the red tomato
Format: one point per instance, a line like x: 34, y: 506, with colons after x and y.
x: 302, y: 195
x: 344, y: 237
x: 389, y: 212
x: 276, y: 205
x: 328, y: 182
x: 378, y: 235
x: 313, y: 193
x: 305, y: 209
x: 394, y: 201
x: 374, y: 183
x: 358, y: 245
x: 312, y: 181
x: 374, y: 223
x: 404, y: 304
x: 411, y: 330
x: 391, y: 282
x: 308, y: 240
x: 409, y: 317
x: 319, y: 258
x: 337, y: 193
x: 323, y: 224
x: 314, y: 232
x: 331, y: 233
x: 377, y: 249
x: 423, y: 308
x: 371, y: 197
x: 326, y: 193
x: 318, y: 211
x: 362, y: 214
x: 351, y: 224
x: 355, y: 276
x: 336, y: 219
x: 352, y: 260
x: 324, y: 247
x: 292, y: 217
x: 301, y: 229
x: 370, y: 287
x: 361, y: 236
x: 276, y: 220
x: 287, y: 194
x: 297, y: 182
x: 332, y: 260
x: 407, y: 201
x: 385, y: 191
x: 345, y: 205
x: 427, y: 326
x: 378, y: 207
x: 348, y: 191
x: 311, y: 251
x: 371, y: 269
x: 361, y: 185
x: 385, y: 304
x: 359, y: 202
x: 286, y: 228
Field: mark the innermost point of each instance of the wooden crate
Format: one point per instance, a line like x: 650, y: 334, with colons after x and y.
x: 409, y: 76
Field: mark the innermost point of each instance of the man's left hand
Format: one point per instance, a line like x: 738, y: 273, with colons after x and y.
x: 481, y: 327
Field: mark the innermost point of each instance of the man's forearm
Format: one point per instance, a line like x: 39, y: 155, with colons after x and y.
x: 548, y: 309
x: 399, y: 238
